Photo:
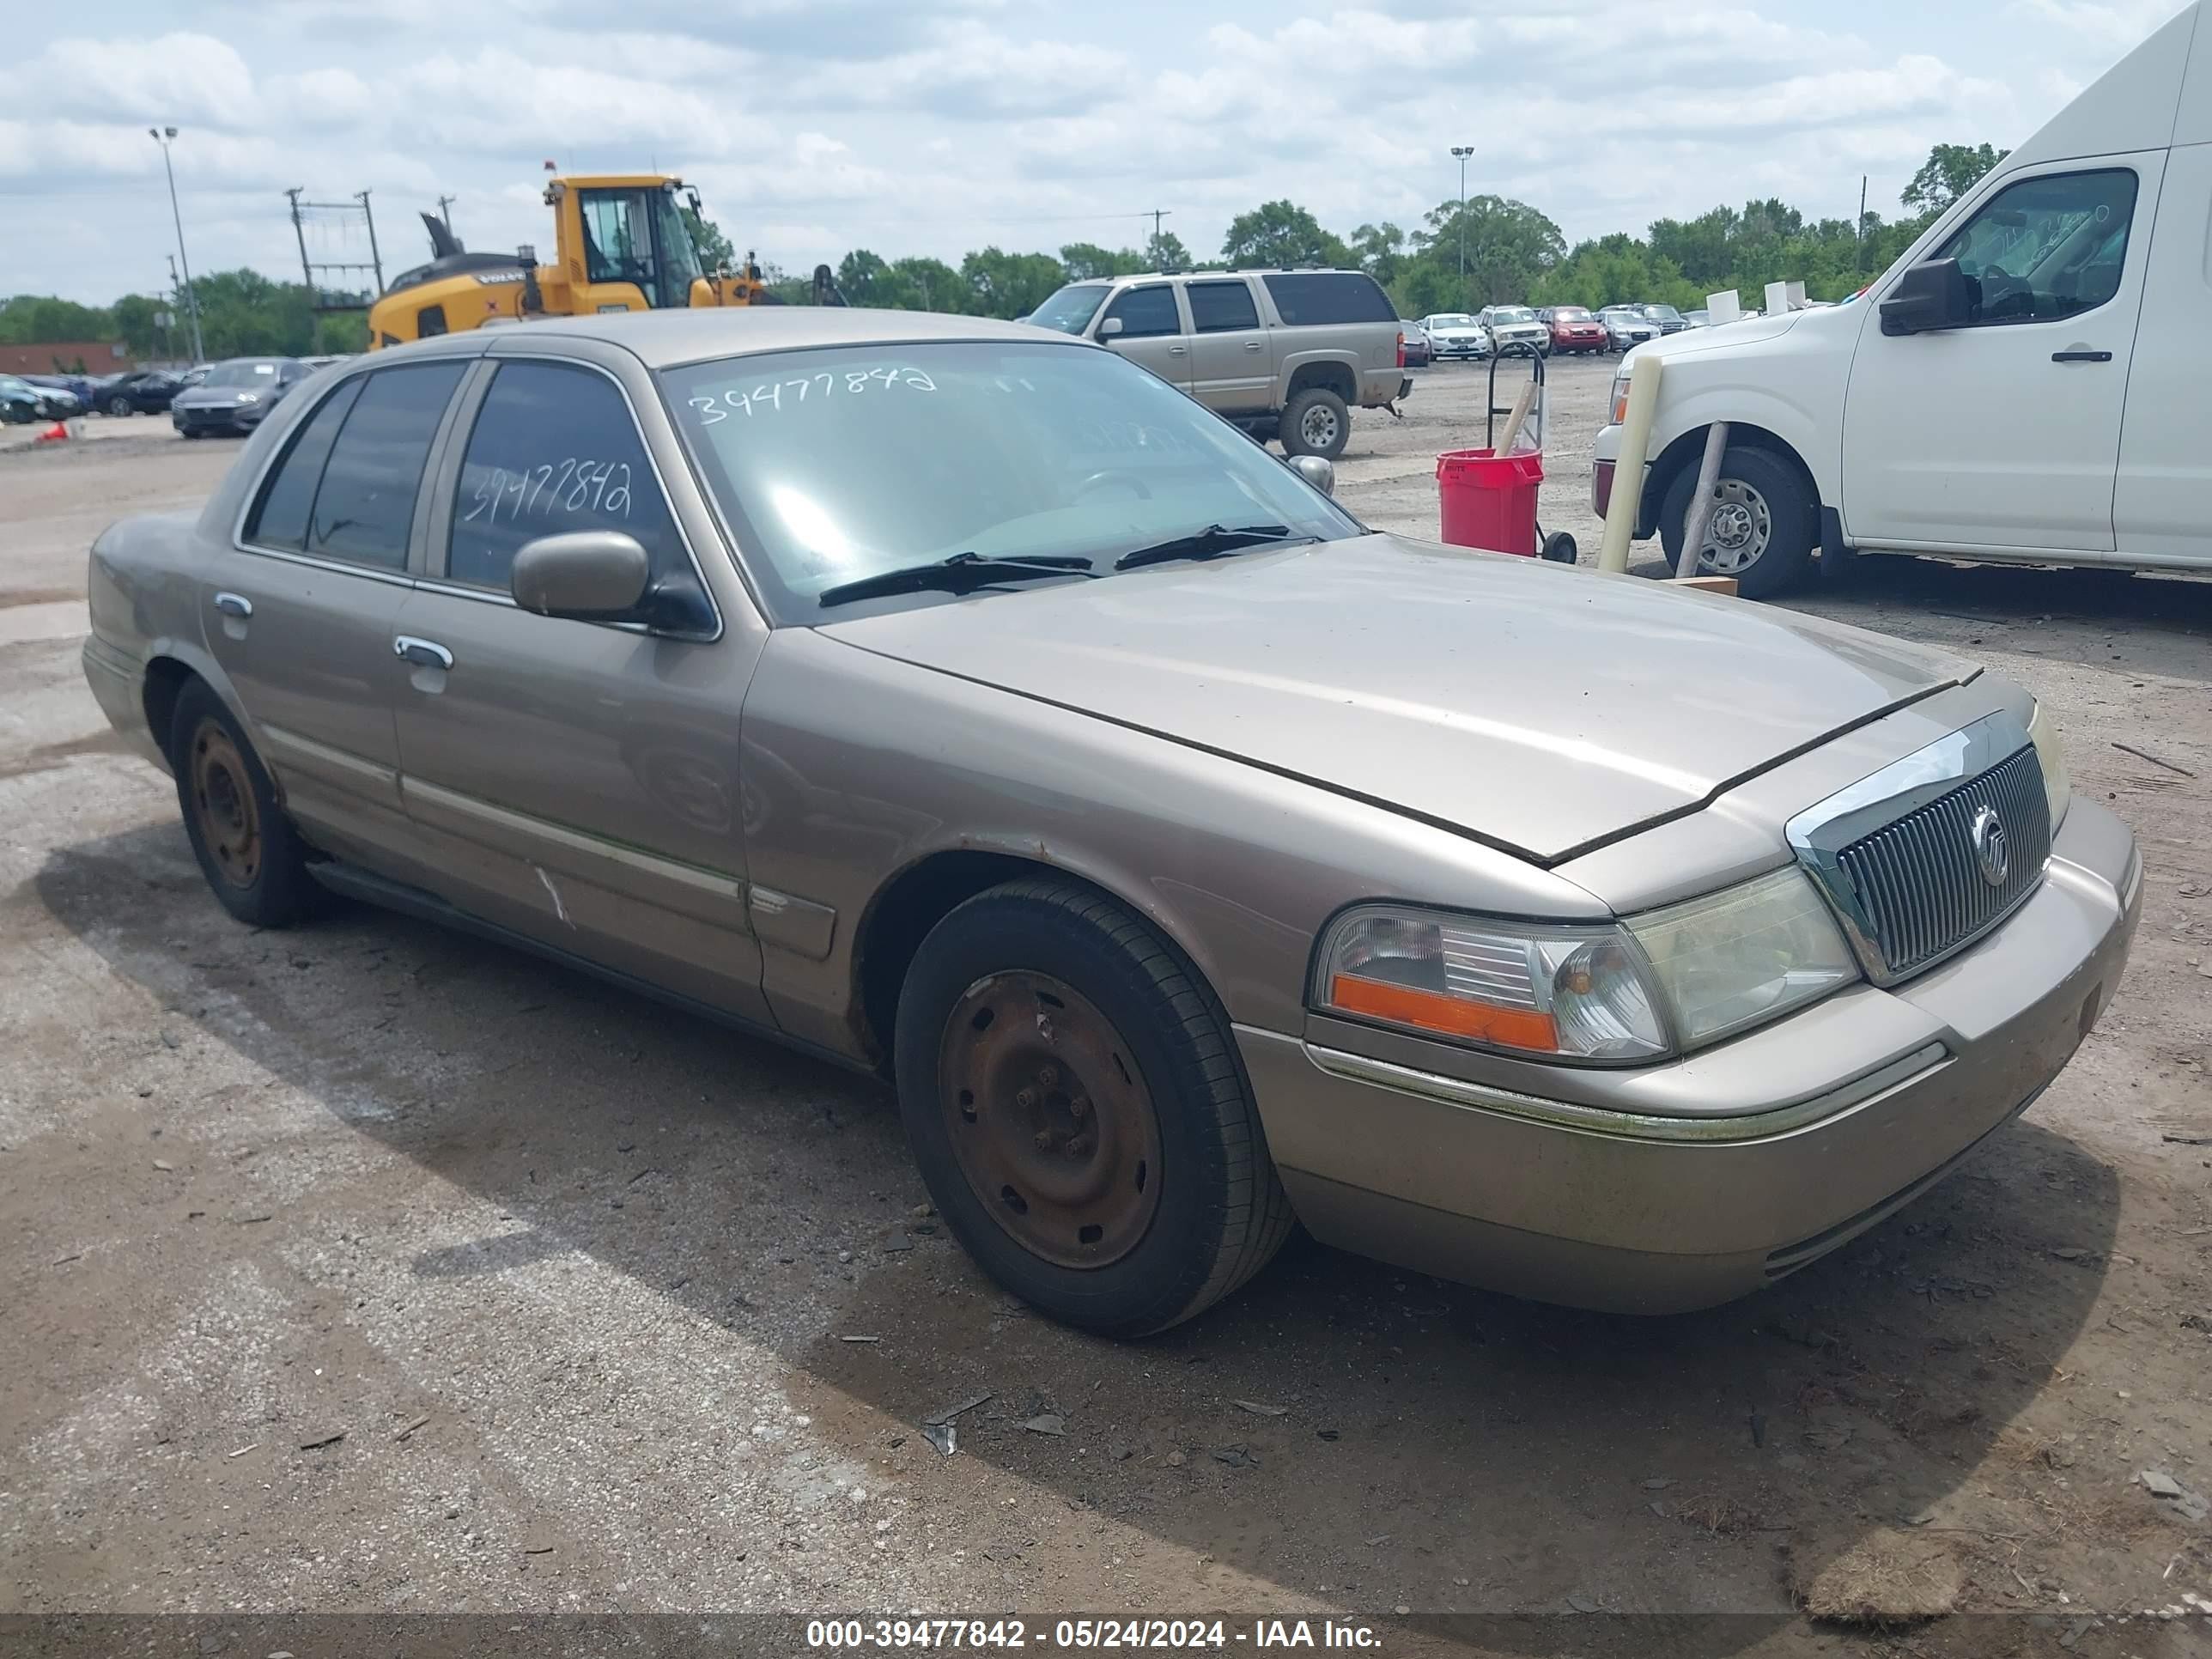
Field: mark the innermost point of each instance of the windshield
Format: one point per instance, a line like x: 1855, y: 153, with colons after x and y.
x: 1451, y: 319
x: 1071, y: 310
x: 842, y: 463
x: 1570, y: 314
x: 1513, y: 315
x: 1663, y: 313
x: 241, y: 374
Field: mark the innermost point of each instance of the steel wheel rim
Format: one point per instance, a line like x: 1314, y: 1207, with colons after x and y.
x: 1049, y: 1119
x: 1737, y: 533
x: 1318, y: 426
x: 223, y: 805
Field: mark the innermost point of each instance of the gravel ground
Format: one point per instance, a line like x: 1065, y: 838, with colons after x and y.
x: 371, y: 1268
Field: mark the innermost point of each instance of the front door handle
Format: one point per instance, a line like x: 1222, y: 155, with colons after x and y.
x: 1251, y: 345
x: 233, y: 605
x: 423, y: 654
x: 2081, y: 356
x: 1175, y: 351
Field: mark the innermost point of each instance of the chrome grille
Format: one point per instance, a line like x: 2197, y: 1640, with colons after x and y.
x: 1918, y: 887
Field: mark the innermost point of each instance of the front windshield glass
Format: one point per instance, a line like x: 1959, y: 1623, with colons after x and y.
x: 1570, y: 314
x: 842, y: 463
x: 1663, y: 313
x: 680, y: 255
x: 1071, y: 310
x: 1513, y: 315
x: 241, y: 374
x: 1451, y: 319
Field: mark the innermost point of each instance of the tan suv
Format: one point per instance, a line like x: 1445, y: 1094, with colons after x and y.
x: 1284, y: 354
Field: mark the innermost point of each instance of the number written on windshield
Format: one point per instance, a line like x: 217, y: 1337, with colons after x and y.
x: 770, y: 396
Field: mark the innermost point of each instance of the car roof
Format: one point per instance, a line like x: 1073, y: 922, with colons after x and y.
x: 662, y: 338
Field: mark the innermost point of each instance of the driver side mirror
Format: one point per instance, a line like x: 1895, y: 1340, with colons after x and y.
x: 591, y: 575
x: 1316, y: 471
x: 1110, y: 327
x: 1930, y: 295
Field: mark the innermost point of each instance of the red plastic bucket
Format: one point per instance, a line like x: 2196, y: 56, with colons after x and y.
x: 1490, y: 500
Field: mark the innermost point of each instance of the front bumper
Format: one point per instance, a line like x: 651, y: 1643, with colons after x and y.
x: 1639, y: 1212
x: 224, y: 417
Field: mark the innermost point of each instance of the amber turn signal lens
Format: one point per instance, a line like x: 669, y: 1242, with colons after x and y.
x: 1446, y: 1016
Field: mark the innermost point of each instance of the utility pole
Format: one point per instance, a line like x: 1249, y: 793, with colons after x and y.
x: 445, y: 209
x: 307, y: 272
x: 1861, y: 264
x: 162, y: 135
x: 375, y: 260
x: 1462, y: 151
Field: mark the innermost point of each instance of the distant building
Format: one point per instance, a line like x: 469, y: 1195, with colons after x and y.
x: 66, y: 357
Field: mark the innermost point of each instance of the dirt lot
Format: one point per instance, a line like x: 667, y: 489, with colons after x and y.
x: 616, y: 1312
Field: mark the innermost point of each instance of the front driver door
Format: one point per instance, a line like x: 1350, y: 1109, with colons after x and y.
x: 2005, y: 433
x: 577, y: 782
x: 1152, y: 332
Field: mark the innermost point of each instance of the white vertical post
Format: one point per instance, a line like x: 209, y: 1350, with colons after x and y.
x: 1701, y: 502
x: 1628, y: 467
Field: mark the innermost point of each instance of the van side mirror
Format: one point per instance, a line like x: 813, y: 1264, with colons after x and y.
x: 1931, y: 295
x: 1110, y: 327
x: 592, y: 576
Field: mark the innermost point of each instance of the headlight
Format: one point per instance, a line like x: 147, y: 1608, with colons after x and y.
x: 1574, y: 993
x: 2050, y: 755
x: 249, y: 396
x: 1736, y: 958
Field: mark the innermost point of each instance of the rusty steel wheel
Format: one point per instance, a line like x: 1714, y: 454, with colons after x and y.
x: 223, y: 807
x: 1049, y: 1119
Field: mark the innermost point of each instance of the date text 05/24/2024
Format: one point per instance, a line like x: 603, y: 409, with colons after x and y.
x: 1085, y: 1634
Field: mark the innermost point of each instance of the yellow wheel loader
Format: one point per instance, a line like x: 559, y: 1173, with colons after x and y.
x: 620, y: 244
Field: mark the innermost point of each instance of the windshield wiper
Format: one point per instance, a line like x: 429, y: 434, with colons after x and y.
x: 1209, y: 543
x: 963, y: 573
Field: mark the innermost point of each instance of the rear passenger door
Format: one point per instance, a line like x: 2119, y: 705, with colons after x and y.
x: 298, y: 611
x: 1232, y: 371
x: 576, y: 782
x: 1145, y: 324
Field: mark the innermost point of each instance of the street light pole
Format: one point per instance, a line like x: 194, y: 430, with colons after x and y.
x: 1462, y: 151
x: 161, y: 136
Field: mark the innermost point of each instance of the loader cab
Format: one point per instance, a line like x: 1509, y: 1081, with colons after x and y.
x: 622, y: 244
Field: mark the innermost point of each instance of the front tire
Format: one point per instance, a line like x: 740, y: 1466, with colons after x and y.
x: 119, y: 406
x: 1074, y: 1101
x: 1763, y: 525
x: 251, y: 856
x: 1316, y: 421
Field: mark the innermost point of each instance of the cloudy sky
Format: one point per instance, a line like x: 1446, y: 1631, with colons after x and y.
x: 815, y: 126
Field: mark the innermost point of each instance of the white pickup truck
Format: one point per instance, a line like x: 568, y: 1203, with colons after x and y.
x: 2026, y: 384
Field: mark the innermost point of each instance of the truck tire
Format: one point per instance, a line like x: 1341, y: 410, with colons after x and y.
x: 1316, y: 421
x: 1763, y: 524
x: 1073, y: 1098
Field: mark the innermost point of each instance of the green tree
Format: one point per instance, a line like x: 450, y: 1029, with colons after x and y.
x: 1509, y: 246
x: 1164, y: 250
x: 1010, y: 285
x: 1950, y: 171
x: 1380, y: 251
x: 1083, y: 260
x: 715, y: 253
x: 1281, y: 233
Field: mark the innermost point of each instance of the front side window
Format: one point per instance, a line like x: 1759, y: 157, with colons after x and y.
x: 280, y: 518
x: 365, y: 505
x: 637, y: 236
x: 1146, y: 312
x: 1220, y: 308
x: 846, y: 462
x: 554, y: 449
x: 2046, y: 248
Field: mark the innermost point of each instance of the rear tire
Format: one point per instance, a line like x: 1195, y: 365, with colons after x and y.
x: 1316, y: 421
x: 1075, y: 1104
x: 1765, y: 522
x: 119, y: 406
x: 251, y: 856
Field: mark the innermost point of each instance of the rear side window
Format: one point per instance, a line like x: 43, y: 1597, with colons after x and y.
x: 1310, y: 299
x: 279, y: 520
x: 1147, y: 312
x: 1217, y: 308
x: 554, y: 449
x: 366, y: 503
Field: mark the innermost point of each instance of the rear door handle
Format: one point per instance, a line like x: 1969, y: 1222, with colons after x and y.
x: 1251, y: 345
x: 2081, y: 356
x: 233, y: 605
x: 423, y: 654
x: 1175, y: 351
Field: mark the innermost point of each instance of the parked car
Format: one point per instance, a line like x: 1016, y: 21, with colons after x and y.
x: 1284, y: 354
x: 1515, y: 330
x: 79, y: 386
x: 1117, y: 801
x: 137, y: 392
x: 234, y: 397
x: 1670, y: 320
x: 1628, y: 326
x: 22, y: 398
x: 1456, y: 334
x: 1699, y: 319
x: 2023, y: 385
x: 1574, y: 329
x: 1419, y: 354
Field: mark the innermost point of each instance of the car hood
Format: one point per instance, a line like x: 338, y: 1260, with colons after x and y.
x: 215, y: 397
x: 1720, y: 337
x: 1536, y: 708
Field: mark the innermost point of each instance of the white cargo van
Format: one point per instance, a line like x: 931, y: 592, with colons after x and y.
x: 2032, y: 382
